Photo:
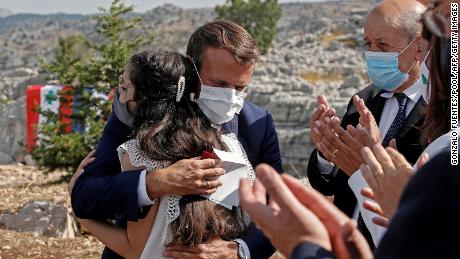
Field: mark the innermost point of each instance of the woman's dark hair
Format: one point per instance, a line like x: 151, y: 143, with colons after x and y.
x: 437, y: 120
x: 168, y: 130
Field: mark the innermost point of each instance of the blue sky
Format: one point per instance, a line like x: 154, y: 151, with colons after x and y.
x: 90, y: 6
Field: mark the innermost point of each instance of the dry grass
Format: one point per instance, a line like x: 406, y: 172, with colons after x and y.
x: 328, y: 38
x: 26, y: 245
x: 18, y: 186
x: 22, y: 184
x: 318, y: 77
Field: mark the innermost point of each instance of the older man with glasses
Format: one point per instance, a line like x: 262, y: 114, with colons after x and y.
x: 395, y: 58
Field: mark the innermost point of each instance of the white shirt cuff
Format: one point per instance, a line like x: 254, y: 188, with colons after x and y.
x: 247, y: 253
x: 324, y: 166
x: 142, y: 196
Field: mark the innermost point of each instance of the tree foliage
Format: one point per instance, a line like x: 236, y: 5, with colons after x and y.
x: 258, y: 17
x: 94, y: 69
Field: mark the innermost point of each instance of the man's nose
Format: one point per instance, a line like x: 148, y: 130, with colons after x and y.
x: 373, y: 48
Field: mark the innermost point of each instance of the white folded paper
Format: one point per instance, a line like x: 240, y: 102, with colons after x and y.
x: 235, y: 167
x: 356, y: 183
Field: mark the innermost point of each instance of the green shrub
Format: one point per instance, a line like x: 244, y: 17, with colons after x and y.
x: 258, y: 17
x: 88, y: 66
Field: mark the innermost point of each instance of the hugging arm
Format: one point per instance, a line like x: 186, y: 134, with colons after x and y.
x: 129, y: 242
x: 102, y: 191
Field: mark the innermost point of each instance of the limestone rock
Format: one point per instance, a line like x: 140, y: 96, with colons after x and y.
x: 42, y: 218
x: 323, y: 39
x: 12, y: 131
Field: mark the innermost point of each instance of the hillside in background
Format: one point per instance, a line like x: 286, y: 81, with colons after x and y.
x: 25, y: 37
x: 317, y: 50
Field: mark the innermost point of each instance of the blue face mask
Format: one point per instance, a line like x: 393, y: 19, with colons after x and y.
x: 383, y: 69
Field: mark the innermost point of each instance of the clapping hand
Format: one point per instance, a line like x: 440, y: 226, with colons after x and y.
x: 387, y: 172
x: 367, y: 121
x: 323, y: 111
x: 373, y: 206
x: 339, y: 146
x: 301, y: 215
x: 342, y: 147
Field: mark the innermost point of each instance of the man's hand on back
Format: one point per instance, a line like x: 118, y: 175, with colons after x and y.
x: 81, y: 168
x: 185, y: 177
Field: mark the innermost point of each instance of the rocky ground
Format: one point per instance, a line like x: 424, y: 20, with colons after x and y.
x: 27, y: 245
x: 21, y: 186
x: 317, y: 50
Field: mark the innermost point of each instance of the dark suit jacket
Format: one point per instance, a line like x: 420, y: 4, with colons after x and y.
x: 426, y: 224
x: 408, y: 142
x: 103, y: 192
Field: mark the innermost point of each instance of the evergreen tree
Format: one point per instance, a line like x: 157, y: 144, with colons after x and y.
x: 258, y: 17
x: 94, y: 70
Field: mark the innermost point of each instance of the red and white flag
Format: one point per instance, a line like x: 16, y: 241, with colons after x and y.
x: 45, y: 97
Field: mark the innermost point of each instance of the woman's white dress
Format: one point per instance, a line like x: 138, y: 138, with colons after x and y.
x: 169, y: 209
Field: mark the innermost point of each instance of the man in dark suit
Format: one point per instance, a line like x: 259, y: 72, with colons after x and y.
x: 395, y: 99
x: 225, y: 65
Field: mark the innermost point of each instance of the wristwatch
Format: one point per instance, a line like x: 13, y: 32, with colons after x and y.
x: 241, y: 251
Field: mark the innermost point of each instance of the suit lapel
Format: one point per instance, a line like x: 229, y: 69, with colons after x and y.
x: 376, y: 105
x: 414, y: 117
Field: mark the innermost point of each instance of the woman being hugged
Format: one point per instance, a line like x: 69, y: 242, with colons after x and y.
x: 168, y: 127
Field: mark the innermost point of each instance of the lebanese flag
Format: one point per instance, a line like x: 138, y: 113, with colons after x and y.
x: 47, y: 98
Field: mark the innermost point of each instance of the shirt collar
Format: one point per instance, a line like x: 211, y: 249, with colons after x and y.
x: 414, y: 92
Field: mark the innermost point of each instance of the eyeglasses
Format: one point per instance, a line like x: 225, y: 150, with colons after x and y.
x: 434, y: 22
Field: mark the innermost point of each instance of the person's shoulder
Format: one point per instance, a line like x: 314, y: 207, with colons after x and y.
x: 438, y: 173
x: 254, y: 110
x: 116, y: 127
x: 442, y: 165
x: 114, y: 121
x: 252, y: 114
x: 130, y: 145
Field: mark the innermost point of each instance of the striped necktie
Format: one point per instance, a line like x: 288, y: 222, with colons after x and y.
x: 393, y: 131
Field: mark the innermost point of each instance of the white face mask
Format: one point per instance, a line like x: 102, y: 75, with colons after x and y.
x: 219, y: 104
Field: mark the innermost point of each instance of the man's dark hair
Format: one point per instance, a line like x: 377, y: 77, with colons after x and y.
x: 226, y: 35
